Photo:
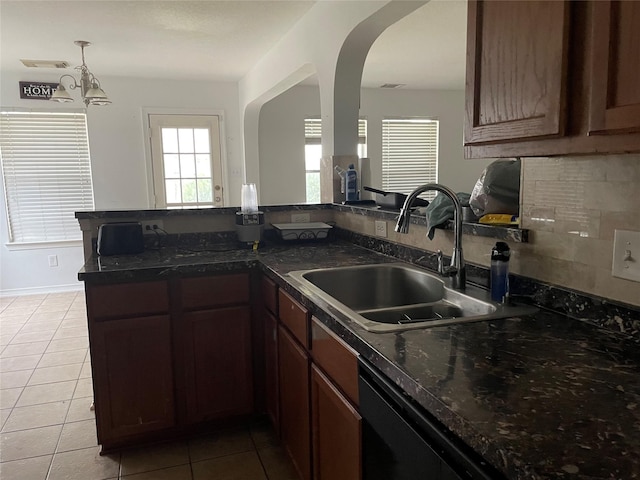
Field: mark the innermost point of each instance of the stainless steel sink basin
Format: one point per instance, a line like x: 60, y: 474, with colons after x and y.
x: 396, y: 296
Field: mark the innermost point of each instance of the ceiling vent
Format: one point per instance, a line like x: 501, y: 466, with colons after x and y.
x: 393, y: 85
x: 45, y: 63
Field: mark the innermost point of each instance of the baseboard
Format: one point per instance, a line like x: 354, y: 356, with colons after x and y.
x: 18, y: 292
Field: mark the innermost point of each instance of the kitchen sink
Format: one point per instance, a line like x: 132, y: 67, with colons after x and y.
x: 395, y: 296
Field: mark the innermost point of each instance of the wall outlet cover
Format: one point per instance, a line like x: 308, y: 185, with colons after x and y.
x: 626, y: 255
x: 148, y: 226
x: 381, y: 228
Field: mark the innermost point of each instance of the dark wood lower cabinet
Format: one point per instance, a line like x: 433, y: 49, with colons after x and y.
x: 218, y: 363
x: 336, y: 427
x: 133, y: 376
x: 271, y: 369
x: 293, y: 366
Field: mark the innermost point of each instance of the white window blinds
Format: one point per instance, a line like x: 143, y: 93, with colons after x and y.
x: 313, y: 131
x: 409, y: 154
x: 47, y: 174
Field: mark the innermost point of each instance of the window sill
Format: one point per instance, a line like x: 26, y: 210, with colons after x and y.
x: 42, y: 245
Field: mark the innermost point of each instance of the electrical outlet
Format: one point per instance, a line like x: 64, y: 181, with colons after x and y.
x: 53, y: 260
x: 626, y: 255
x: 381, y: 228
x: 150, y: 226
x: 300, y: 217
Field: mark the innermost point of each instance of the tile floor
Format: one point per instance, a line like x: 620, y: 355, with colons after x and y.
x: 48, y: 431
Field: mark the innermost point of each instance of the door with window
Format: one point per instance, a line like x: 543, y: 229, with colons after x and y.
x: 186, y: 161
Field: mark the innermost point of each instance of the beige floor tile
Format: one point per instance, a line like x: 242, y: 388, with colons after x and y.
x: 14, y: 379
x: 241, y: 466
x: 11, y: 329
x: 47, y: 393
x: 154, y: 458
x: 77, y: 435
x: 4, y: 414
x: 277, y: 464
x: 28, y: 469
x: 219, y: 444
x: 25, y: 362
x: 63, y: 358
x: 5, y: 340
x: 14, y: 309
x: 60, y: 373
x: 33, y: 298
x: 84, y: 388
x: 83, y: 464
x: 86, y: 370
x: 34, y: 327
x: 29, y: 443
x: 7, y: 321
x: 52, y: 308
x: 9, y: 397
x: 183, y: 472
x: 35, y: 416
x: 74, y: 322
x: 52, y: 318
x: 67, y: 344
x: 31, y: 337
x: 80, y: 410
x: 70, y: 332
x: 263, y: 435
x: 34, y: 348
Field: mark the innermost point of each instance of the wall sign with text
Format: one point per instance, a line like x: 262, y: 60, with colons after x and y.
x: 37, y: 90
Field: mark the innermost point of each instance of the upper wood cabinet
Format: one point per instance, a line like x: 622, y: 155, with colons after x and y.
x: 549, y: 78
x: 615, y: 67
x: 516, y: 70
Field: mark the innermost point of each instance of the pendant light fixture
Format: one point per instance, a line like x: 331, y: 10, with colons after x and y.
x: 92, y: 93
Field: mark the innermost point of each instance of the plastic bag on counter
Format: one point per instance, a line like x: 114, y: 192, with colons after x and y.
x: 498, y: 189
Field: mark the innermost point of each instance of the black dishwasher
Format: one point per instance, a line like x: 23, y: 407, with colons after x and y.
x: 400, y: 442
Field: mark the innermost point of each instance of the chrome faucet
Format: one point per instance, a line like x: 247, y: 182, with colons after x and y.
x: 456, y: 269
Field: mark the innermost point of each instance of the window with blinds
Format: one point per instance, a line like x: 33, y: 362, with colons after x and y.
x: 409, y: 154
x: 313, y: 153
x: 47, y: 174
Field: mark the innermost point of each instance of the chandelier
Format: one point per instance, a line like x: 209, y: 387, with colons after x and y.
x: 92, y: 93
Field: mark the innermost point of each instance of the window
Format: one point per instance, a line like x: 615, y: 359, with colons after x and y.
x: 186, y: 159
x: 409, y: 154
x: 46, y: 172
x: 313, y: 153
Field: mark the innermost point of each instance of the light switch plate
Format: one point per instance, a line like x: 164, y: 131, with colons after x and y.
x: 626, y: 255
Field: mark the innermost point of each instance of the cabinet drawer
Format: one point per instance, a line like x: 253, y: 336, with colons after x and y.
x: 335, y: 358
x: 204, y: 292
x: 295, y: 317
x: 270, y: 295
x: 127, y: 300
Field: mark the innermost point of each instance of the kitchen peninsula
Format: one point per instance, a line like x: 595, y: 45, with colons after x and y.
x: 536, y: 396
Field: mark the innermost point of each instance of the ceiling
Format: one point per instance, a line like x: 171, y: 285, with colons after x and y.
x: 219, y: 40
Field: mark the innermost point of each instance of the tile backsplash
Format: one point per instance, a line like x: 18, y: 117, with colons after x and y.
x: 571, y: 205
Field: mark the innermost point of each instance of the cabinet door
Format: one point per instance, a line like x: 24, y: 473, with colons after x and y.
x: 516, y: 70
x: 337, y: 436
x: 295, y: 431
x: 133, y: 380
x: 615, y: 67
x: 218, y: 363
x: 271, y: 368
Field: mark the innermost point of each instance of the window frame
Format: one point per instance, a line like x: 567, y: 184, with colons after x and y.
x: 79, y: 175
x: 404, y: 186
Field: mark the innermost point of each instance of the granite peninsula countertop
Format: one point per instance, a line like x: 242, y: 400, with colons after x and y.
x: 540, y: 397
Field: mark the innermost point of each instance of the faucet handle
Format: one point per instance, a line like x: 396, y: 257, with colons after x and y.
x: 440, y: 257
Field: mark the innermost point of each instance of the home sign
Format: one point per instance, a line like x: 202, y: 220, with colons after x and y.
x: 37, y: 90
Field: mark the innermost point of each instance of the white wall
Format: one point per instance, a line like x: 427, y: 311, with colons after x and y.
x: 118, y: 162
x: 281, y: 139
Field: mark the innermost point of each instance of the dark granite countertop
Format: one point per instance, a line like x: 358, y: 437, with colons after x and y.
x: 542, y: 396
